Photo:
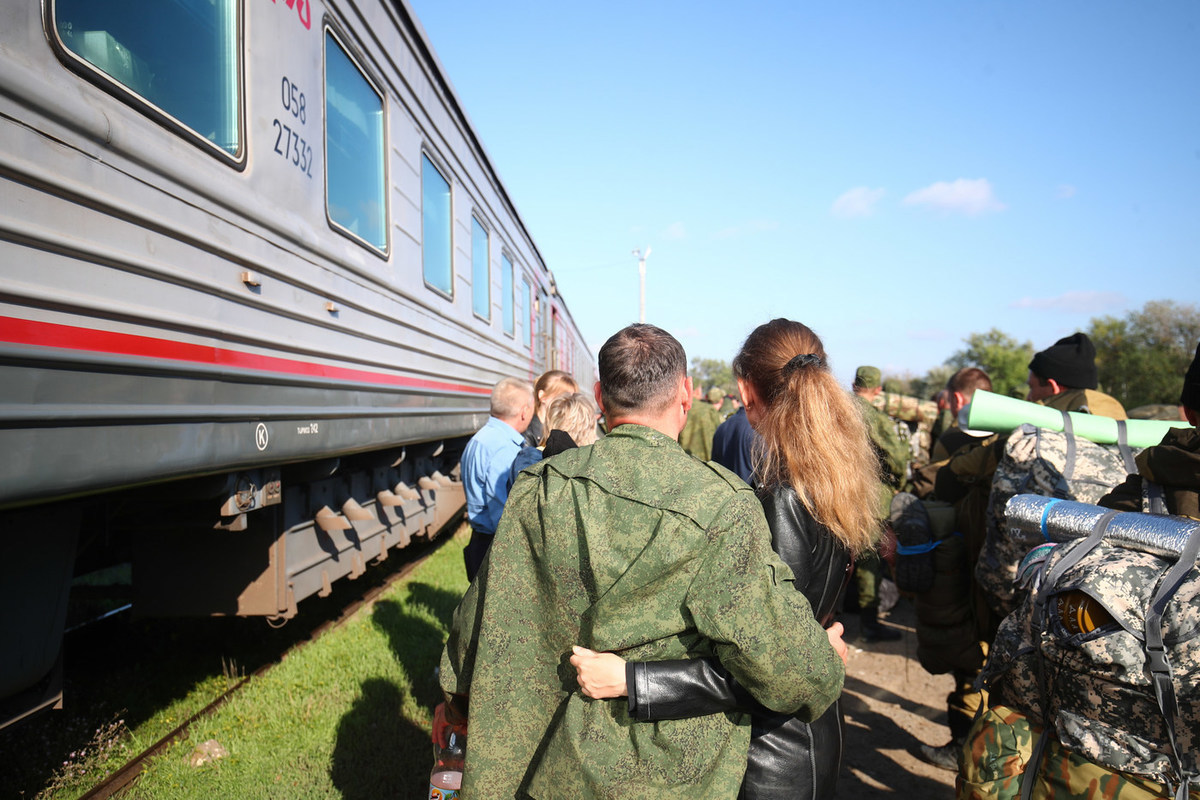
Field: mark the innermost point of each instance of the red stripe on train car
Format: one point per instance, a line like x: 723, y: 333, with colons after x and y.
x: 68, y: 337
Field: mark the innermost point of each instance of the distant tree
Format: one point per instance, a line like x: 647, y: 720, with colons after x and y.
x: 1141, y: 359
x: 1003, y: 358
x: 709, y: 372
x: 932, y: 382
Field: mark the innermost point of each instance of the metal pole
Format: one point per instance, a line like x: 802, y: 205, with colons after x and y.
x: 642, y: 282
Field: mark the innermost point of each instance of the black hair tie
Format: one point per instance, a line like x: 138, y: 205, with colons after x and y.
x: 801, y: 361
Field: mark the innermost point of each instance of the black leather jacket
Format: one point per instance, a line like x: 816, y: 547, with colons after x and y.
x: 789, y: 757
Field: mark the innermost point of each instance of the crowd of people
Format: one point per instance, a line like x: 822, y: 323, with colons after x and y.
x: 653, y: 602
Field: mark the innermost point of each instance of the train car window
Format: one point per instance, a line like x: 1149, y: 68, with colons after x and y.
x: 481, y: 279
x: 177, y: 60
x: 543, y: 305
x: 530, y: 315
x: 355, y: 174
x: 435, y: 228
x: 506, y: 294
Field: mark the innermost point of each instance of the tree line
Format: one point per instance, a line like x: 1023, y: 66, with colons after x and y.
x: 1140, y: 358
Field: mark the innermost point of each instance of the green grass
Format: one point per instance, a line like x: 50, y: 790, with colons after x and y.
x: 345, y: 717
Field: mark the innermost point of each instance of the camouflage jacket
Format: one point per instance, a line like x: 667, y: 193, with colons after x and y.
x: 632, y: 546
x: 892, y: 451
x: 697, y: 434
x: 1174, y: 465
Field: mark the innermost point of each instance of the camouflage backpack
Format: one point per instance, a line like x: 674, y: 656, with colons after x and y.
x: 1052, y: 464
x: 1106, y: 649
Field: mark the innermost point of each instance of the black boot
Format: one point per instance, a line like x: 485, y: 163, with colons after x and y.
x: 872, y: 630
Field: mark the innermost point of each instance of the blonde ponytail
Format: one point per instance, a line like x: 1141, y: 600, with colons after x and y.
x: 813, y: 436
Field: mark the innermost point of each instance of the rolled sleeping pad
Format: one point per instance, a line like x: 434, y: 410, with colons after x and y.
x: 996, y: 413
x: 1064, y: 520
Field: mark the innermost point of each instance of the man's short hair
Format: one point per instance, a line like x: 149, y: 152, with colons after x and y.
x: 967, y: 380
x: 509, y: 395
x: 640, y: 369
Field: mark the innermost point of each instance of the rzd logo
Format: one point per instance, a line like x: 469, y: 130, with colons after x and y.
x: 303, y: 9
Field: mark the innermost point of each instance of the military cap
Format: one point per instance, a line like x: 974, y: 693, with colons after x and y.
x: 1190, y: 398
x: 868, y: 377
x: 1071, y: 361
x: 716, y: 394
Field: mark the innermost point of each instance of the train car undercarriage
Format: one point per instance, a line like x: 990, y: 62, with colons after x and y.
x: 249, y: 543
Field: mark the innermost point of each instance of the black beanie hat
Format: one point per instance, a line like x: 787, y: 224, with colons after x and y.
x: 1071, y: 362
x: 1191, y: 384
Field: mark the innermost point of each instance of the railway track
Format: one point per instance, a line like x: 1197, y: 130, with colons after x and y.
x: 351, y: 597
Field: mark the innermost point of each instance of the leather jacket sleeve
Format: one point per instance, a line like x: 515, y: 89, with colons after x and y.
x: 660, y: 690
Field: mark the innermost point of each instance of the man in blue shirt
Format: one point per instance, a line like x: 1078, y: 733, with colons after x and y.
x: 486, y: 462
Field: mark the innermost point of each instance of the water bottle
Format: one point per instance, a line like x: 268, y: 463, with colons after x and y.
x: 446, y: 778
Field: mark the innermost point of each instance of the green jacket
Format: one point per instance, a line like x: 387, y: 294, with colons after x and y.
x: 628, y: 545
x: 697, y: 434
x: 1174, y: 464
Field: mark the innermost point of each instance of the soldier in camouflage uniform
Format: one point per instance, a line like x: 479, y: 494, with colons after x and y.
x: 630, y: 546
x: 696, y: 438
x: 1053, y: 375
x: 893, y: 464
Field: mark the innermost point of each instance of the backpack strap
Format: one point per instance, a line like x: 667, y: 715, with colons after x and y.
x: 1041, y: 600
x: 1069, y: 429
x: 1157, y: 660
x: 1153, y: 499
x: 1123, y: 446
x: 1035, y: 759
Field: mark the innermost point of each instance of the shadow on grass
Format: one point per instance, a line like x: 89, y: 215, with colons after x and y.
x: 415, y: 641
x: 379, y: 753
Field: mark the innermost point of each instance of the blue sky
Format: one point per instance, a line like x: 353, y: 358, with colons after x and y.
x: 897, y: 175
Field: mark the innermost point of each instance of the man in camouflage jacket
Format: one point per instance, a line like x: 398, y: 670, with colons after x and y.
x: 893, y: 455
x: 628, y: 545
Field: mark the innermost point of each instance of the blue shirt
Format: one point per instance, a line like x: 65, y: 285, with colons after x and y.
x: 485, y: 465
x: 733, y: 445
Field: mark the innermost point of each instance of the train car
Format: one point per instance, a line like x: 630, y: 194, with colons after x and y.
x: 257, y: 278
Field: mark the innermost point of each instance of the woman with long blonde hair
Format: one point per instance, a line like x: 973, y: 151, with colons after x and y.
x: 549, y: 385
x: 817, y: 476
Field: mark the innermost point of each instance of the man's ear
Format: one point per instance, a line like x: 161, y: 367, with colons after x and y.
x: 687, y: 393
x: 1192, y: 416
x: 1055, y: 386
x: 599, y: 399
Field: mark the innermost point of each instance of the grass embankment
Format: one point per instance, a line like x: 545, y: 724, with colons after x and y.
x: 347, y: 716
